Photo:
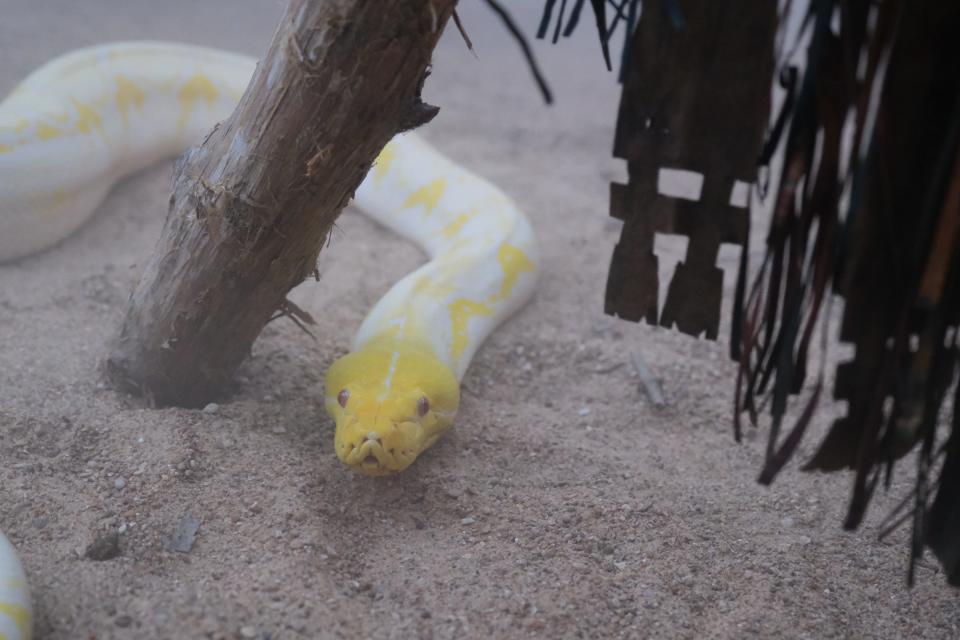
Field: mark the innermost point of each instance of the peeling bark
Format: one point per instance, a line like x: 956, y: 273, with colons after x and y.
x: 253, y: 204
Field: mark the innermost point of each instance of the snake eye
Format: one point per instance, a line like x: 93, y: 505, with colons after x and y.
x: 342, y: 398
x: 423, y: 406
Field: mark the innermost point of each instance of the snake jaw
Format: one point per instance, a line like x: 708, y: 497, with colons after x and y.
x: 390, y: 450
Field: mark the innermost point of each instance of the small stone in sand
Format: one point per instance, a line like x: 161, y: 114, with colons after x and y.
x: 213, y: 407
x: 248, y: 632
x: 468, y: 520
x: 119, y: 483
x: 186, y: 534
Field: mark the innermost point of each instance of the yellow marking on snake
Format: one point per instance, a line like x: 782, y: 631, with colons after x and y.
x: 382, y: 165
x: 59, y: 198
x: 198, y: 87
x: 454, y: 226
x: 425, y: 286
x: 514, y: 262
x: 461, y: 311
x: 20, y: 616
x: 46, y: 132
x: 88, y: 117
x: 128, y: 95
x: 19, y: 126
x: 428, y: 195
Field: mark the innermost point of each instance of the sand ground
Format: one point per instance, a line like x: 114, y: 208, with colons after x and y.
x: 562, y: 505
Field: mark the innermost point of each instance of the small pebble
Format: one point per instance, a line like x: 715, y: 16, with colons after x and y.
x: 185, y: 535
x: 119, y: 483
x: 468, y: 520
x: 585, y: 411
x: 213, y: 407
x: 248, y: 632
x: 787, y: 521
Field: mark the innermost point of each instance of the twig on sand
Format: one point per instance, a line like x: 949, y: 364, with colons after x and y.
x: 650, y: 385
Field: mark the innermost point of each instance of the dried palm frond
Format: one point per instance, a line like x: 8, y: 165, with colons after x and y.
x: 867, y: 208
x: 877, y: 220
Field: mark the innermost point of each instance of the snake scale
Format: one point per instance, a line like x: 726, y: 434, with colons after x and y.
x: 81, y: 122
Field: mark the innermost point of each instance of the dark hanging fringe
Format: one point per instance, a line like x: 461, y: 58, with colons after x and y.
x: 676, y: 14
x: 556, y: 32
x: 574, y: 18
x: 600, y: 14
x: 545, y: 20
x: 632, y: 14
x: 893, y: 254
x: 876, y: 222
x: 625, y: 10
x: 517, y: 34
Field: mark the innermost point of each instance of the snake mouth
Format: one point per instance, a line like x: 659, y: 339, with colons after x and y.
x: 371, y: 466
x: 371, y: 458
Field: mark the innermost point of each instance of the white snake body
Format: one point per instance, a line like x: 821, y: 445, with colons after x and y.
x: 81, y: 122
x: 15, y: 616
x: 461, y: 222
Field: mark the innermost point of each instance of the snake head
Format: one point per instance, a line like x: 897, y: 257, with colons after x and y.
x: 390, y: 403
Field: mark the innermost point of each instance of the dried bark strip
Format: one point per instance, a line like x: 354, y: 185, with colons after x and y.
x: 252, y: 205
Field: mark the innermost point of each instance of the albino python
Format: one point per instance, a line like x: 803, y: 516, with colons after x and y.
x: 75, y: 126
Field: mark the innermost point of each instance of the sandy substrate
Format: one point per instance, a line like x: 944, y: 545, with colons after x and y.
x: 562, y: 505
